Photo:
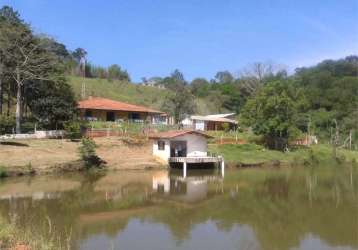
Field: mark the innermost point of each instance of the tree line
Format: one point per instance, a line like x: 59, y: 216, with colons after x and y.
x: 321, y: 100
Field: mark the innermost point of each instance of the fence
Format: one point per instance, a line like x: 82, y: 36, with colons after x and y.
x: 39, y: 134
x: 103, y: 129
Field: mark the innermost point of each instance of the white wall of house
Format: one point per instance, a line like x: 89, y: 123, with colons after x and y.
x: 196, y: 146
x: 161, y: 154
x: 199, y: 125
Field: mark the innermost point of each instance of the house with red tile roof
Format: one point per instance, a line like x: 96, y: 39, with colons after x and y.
x: 102, y: 109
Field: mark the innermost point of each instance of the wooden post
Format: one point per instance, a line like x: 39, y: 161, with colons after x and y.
x: 184, y: 169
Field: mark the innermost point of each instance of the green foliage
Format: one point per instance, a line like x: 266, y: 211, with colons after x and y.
x: 73, y: 129
x: 275, y: 113
x: 51, y: 103
x: 3, y: 172
x: 179, y: 104
x: 200, y: 87
x: 115, y: 72
x: 87, y: 152
x: 7, y: 124
x: 331, y: 88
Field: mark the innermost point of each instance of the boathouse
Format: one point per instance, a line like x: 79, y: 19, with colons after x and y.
x: 184, y: 147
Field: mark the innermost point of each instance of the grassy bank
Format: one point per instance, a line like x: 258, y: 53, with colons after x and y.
x: 252, y: 154
x: 16, y: 237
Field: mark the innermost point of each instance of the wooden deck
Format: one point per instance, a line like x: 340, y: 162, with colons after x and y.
x: 198, y: 160
x: 203, y: 159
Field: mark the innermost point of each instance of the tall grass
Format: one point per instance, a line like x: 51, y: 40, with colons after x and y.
x: 13, y: 235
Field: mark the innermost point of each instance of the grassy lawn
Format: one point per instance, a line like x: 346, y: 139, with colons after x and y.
x: 253, y: 154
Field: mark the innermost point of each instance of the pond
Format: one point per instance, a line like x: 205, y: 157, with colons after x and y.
x: 293, y: 208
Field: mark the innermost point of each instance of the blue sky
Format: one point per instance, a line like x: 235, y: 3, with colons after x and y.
x: 153, y: 37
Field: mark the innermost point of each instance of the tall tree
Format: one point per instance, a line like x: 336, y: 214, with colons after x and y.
x: 224, y: 77
x: 275, y: 112
x: 200, y: 87
x: 25, y: 59
x: 258, y: 74
x: 179, y: 103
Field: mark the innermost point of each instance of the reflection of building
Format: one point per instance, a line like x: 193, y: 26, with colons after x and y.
x: 189, y: 189
x: 161, y: 182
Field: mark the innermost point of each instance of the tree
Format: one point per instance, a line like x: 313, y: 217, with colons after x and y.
x: 175, y: 81
x: 26, y: 60
x: 275, y: 113
x: 200, y: 87
x: 116, y: 73
x: 78, y: 54
x: 51, y: 103
x: 7, y: 15
x: 178, y: 76
x: 253, y: 77
x: 224, y: 77
x: 179, y: 103
x: 331, y: 88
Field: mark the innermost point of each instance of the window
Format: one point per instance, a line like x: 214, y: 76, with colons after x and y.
x: 134, y: 116
x: 110, y: 117
x: 161, y: 145
x: 88, y: 113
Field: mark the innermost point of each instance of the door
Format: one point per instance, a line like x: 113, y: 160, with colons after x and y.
x: 178, y: 148
x: 110, y: 117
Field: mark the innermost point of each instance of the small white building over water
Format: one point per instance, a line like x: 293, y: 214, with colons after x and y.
x: 183, y: 146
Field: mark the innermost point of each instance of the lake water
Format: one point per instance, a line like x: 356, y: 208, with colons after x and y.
x: 300, y: 208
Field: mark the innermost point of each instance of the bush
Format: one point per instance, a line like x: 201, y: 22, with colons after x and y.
x: 74, y: 129
x: 88, y: 154
x: 7, y: 124
x: 3, y: 172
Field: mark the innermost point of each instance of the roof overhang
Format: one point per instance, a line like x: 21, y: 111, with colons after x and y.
x: 177, y: 133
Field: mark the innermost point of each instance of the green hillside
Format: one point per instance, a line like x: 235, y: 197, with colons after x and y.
x: 120, y: 91
x: 132, y: 93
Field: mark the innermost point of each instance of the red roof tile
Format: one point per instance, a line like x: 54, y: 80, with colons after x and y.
x: 107, y: 104
x: 176, y: 133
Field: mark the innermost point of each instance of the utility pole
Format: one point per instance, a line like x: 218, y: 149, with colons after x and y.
x: 83, y: 71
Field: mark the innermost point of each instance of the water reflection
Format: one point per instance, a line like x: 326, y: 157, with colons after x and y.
x: 192, y: 188
x: 248, y: 209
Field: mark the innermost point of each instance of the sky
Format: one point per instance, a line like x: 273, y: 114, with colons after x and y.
x: 198, y: 37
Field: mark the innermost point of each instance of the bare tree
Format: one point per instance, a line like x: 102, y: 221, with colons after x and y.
x: 255, y: 75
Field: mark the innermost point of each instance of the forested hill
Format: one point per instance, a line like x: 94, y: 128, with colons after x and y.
x: 125, y: 91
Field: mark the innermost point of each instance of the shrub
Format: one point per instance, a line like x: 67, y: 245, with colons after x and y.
x: 74, y: 129
x: 88, y: 154
x: 3, y: 172
x: 7, y: 123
